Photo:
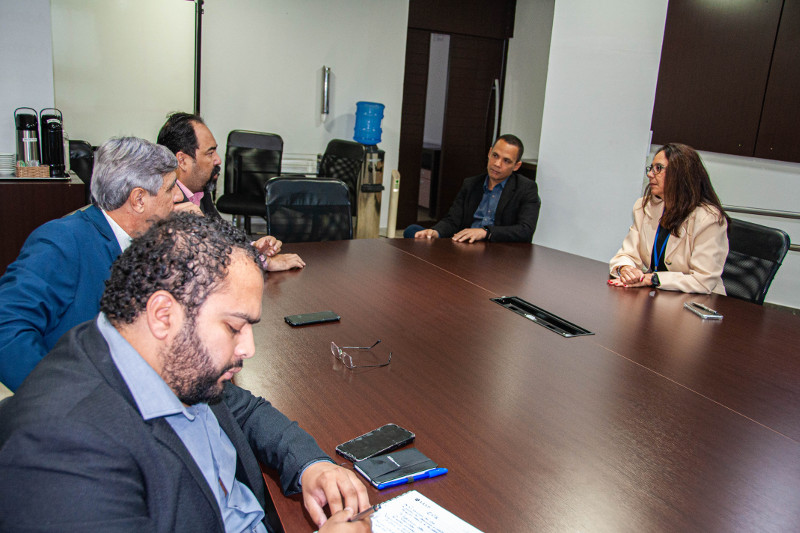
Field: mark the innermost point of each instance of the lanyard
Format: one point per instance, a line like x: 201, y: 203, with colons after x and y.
x: 656, y: 254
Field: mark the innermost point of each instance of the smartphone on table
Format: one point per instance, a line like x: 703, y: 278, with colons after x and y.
x: 703, y: 311
x: 312, y: 318
x: 382, y: 440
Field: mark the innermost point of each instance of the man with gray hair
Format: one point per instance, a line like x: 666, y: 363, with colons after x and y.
x: 58, y: 278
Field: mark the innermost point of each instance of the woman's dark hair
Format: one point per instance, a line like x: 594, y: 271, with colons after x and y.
x: 184, y: 254
x: 686, y: 187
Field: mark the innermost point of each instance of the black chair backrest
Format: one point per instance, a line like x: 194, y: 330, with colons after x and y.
x: 251, y: 158
x: 303, y: 209
x: 81, y: 162
x: 343, y: 160
x: 755, y: 254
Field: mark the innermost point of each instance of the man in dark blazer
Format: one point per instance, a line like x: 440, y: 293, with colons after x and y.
x: 187, y: 136
x: 57, y: 280
x: 499, y: 206
x: 131, y: 422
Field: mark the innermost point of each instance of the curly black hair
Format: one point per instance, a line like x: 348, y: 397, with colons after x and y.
x: 184, y: 254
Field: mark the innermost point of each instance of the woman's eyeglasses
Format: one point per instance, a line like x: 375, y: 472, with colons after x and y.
x: 657, y: 169
x: 347, y: 359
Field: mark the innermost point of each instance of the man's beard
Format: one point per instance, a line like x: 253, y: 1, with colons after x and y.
x: 211, y: 185
x: 189, y: 370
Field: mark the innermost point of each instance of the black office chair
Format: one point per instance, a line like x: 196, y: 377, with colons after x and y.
x: 301, y: 209
x: 754, y: 257
x: 343, y: 160
x: 251, y: 159
x: 81, y: 162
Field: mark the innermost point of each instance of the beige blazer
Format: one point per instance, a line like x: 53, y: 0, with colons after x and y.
x: 694, y: 259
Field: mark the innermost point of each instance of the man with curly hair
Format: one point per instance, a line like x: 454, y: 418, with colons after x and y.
x: 57, y: 280
x: 132, y: 424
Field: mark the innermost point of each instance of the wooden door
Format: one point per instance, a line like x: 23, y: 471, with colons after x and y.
x: 479, y: 31
x: 474, y: 65
x: 412, y: 124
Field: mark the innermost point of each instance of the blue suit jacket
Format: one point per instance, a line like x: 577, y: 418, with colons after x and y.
x: 55, y: 284
x: 76, y: 454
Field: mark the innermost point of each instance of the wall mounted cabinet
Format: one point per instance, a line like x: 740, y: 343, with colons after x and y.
x: 728, y: 77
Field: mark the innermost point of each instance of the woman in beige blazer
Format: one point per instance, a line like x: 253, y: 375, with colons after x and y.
x: 678, y: 240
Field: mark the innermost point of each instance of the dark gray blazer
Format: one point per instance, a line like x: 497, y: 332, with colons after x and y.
x: 76, y: 455
x: 517, y: 211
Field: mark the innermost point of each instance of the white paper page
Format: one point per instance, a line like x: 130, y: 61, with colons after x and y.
x: 412, y: 512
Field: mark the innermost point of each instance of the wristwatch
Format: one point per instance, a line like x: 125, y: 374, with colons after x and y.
x: 488, y: 232
x: 654, y: 280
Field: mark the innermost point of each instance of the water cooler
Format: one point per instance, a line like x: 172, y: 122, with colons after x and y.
x: 370, y: 179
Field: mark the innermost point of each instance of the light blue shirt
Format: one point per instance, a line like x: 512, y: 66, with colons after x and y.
x: 484, y: 215
x: 197, y: 428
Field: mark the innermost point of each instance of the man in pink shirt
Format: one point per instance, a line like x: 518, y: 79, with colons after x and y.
x: 188, y: 137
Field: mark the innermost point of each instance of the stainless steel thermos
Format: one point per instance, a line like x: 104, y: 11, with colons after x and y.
x: 27, y: 136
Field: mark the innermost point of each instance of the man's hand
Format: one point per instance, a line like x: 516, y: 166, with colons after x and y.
x: 470, y: 235
x: 187, y: 207
x: 339, y: 522
x: 268, y: 245
x: 427, y: 234
x: 328, y: 484
x: 281, y: 262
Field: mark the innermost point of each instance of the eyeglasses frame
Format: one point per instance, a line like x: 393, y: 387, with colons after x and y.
x: 339, y: 353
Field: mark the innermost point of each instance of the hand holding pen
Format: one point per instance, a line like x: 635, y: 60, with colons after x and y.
x: 339, y: 522
x: 365, y: 513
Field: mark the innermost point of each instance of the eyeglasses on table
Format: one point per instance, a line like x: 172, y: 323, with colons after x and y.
x: 347, y: 359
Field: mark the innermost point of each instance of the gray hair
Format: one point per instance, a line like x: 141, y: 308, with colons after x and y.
x: 123, y: 163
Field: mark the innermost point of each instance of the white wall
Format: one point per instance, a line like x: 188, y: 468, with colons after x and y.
x: 121, y: 65
x: 27, y: 61
x: 526, y: 73
x: 262, y: 64
x: 601, y: 83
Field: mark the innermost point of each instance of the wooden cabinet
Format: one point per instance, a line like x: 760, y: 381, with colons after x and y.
x: 726, y: 78
x: 779, y: 131
x: 26, y: 205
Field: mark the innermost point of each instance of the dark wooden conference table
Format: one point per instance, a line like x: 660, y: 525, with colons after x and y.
x: 659, y: 422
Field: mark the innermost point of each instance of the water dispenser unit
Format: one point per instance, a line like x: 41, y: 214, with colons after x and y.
x: 368, y: 123
x: 370, y: 180
x: 27, y: 136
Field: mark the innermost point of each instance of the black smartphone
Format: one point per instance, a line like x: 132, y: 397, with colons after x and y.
x: 312, y: 318
x: 382, y: 440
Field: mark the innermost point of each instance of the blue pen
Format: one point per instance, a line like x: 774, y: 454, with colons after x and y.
x: 433, y: 472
